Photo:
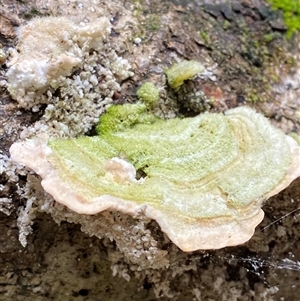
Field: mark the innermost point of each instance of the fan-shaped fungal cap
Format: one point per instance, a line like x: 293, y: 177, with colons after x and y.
x: 205, y: 178
x: 182, y: 71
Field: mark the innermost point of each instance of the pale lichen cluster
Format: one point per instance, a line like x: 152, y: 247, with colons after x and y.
x: 70, y: 69
x: 12, y: 171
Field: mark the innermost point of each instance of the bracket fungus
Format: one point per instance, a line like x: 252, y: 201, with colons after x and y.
x: 203, y: 179
x: 182, y: 71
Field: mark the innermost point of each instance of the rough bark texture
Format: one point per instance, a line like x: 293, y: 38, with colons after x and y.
x: 251, y: 63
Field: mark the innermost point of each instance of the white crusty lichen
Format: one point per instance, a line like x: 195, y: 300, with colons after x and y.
x: 72, y: 69
x: 202, y: 179
x: 31, y: 191
x: 6, y: 204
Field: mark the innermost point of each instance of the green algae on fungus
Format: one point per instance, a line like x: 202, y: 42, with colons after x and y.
x: 121, y: 117
x: 182, y: 71
x: 204, y: 178
x: 148, y: 94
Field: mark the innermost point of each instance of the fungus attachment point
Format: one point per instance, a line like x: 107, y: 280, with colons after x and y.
x: 204, y: 178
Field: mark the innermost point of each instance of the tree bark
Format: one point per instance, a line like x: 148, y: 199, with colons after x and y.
x: 250, y: 62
